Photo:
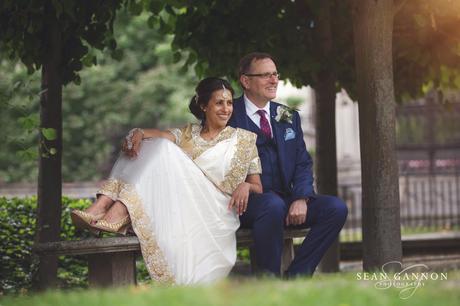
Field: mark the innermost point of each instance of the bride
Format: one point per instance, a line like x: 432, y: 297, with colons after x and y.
x: 182, y: 191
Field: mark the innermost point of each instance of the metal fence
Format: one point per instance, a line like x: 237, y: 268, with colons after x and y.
x: 427, y: 204
x: 428, y: 149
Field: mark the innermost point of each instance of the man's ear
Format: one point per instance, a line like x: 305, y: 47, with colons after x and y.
x: 244, y: 81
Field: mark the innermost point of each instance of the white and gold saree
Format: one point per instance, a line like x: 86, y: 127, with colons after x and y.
x: 177, y: 197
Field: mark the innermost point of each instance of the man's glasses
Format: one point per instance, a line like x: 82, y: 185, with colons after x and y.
x: 265, y: 76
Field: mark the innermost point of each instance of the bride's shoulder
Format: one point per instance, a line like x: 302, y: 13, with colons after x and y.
x: 246, y: 133
x: 192, y: 129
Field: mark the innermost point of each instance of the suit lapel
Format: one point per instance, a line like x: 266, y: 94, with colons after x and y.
x: 278, y: 133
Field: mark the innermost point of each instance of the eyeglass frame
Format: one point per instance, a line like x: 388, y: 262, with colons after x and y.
x: 265, y: 76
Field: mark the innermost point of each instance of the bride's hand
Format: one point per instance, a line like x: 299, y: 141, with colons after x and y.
x: 132, y: 149
x: 239, y: 199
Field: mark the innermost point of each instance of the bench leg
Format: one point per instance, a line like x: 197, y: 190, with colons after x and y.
x: 288, y: 254
x: 112, y: 269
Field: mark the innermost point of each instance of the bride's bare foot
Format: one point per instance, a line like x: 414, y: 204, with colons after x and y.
x: 116, y: 213
x: 100, y: 207
x: 116, y: 220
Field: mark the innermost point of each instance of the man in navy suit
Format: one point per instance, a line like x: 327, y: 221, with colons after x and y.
x: 289, y: 198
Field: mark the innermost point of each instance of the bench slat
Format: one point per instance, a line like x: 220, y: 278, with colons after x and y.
x: 130, y: 243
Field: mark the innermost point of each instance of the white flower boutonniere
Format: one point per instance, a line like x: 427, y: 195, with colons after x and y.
x: 284, y: 114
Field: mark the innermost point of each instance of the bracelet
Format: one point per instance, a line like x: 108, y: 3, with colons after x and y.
x: 129, y: 137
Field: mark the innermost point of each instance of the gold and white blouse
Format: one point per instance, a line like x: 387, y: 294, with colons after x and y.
x: 227, y: 159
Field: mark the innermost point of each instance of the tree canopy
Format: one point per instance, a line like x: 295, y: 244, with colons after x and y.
x: 83, y: 24
x: 144, y: 88
x: 216, y: 33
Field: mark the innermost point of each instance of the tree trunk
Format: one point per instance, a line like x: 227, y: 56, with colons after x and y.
x: 49, y: 175
x: 326, y: 153
x: 372, y: 29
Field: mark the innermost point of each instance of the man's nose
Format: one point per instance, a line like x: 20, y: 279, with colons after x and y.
x: 273, y: 79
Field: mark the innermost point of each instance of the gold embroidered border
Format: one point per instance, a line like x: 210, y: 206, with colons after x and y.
x: 240, y: 162
x: 153, y: 256
x: 200, y: 145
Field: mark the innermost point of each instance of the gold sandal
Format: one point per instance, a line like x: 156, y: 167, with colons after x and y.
x: 83, y: 220
x: 120, y: 227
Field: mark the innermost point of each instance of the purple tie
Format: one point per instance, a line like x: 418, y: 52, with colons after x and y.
x: 264, y: 125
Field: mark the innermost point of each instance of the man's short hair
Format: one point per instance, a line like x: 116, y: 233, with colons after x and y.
x: 246, y: 61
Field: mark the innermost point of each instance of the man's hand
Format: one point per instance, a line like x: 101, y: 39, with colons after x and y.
x: 239, y: 199
x: 297, y: 213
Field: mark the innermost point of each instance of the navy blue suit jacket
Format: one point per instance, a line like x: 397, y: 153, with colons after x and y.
x: 295, y: 163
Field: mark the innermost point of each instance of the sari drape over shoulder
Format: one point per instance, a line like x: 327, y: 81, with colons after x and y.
x: 177, y: 196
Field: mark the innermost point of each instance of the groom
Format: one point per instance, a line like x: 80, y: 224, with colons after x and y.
x: 287, y: 178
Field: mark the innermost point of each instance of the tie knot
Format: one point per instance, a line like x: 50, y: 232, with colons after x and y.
x: 261, y: 112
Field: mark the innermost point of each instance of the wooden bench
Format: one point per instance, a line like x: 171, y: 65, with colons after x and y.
x: 112, y: 261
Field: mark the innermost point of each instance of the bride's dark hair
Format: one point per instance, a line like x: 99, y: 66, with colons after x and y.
x: 203, y: 93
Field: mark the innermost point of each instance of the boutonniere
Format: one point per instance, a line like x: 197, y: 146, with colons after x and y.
x: 284, y: 114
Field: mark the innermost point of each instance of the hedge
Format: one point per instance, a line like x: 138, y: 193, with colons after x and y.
x: 18, y: 266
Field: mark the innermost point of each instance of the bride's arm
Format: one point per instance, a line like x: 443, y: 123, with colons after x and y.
x: 155, y: 133
x: 254, y: 181
x: 240, y: 196
x: 132, y: 143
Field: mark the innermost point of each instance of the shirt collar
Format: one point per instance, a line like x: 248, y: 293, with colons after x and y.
x: 252, y: 109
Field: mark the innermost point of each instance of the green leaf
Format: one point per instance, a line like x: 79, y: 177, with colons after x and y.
x: 29, y: 122
x: 49, y: 133
x: 117, y: 54
x: 155, y: 6
x: 152, y: 21
x: 135, y: 8
x: 28, y: 154
x: 88, y: 60
x: 77, y: 80
x: 17, y: 85
x: 169, y: 9
x: 177, y: 57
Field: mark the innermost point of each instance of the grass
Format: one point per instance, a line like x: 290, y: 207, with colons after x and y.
x: 350, y: 236
x: 339, y: 289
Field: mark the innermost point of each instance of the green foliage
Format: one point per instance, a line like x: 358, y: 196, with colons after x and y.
x: 17, y: 234
x: 82, y: 24
x: 144, y: 89
x: 294, y: 102
x: 243, y: 254
x: 425, y: 50
x: 225, y: 30
x: 19, y: 122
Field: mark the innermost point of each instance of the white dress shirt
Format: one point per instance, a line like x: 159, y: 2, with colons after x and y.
x: 251, y: 111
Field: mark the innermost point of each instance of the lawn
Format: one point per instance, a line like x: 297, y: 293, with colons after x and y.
x: 339, y: 289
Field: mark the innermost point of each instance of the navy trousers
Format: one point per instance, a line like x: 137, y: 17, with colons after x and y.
x: 266, y: 214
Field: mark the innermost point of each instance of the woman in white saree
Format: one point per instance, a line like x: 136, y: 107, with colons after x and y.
x: 182, y: 191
